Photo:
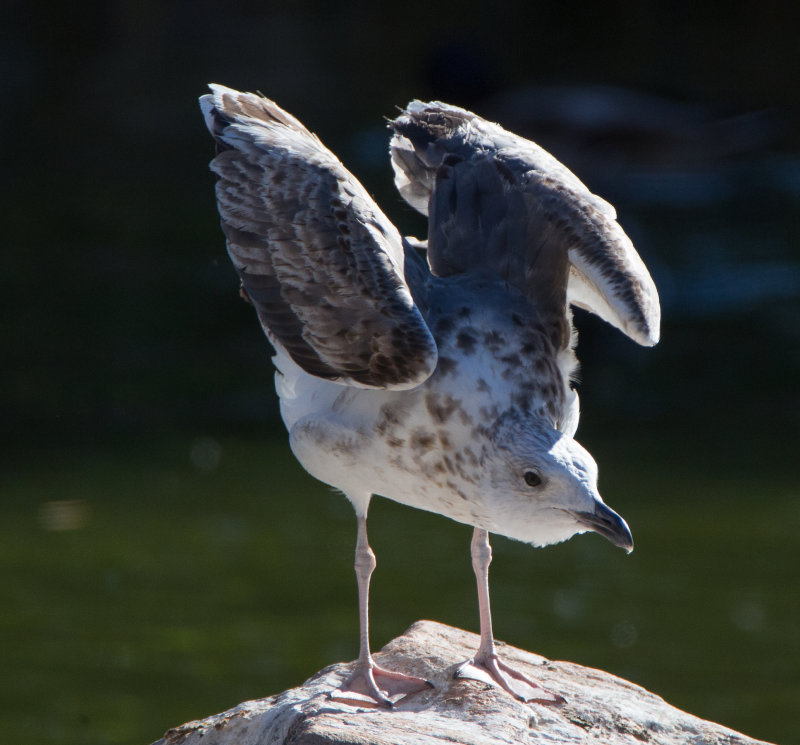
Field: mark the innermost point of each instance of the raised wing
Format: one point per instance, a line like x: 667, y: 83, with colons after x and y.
x: 320, y: 262
x: 462, y: 170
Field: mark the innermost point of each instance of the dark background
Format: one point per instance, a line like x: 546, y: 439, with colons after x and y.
x: 121, y: 322
x: 119, y: 307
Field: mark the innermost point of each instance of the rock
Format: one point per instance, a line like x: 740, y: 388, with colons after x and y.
x: 599, y: 708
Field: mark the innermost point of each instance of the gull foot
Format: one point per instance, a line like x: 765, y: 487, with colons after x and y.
x: 497, y: 673
x: 374, y: 686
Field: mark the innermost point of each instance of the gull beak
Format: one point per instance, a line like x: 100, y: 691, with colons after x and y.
x: 607, y: 523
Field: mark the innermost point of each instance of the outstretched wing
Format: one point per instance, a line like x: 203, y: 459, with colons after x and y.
x: 320, y: 262
x: 474, y: 180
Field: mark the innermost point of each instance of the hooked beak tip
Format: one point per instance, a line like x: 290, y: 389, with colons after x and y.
x: 604, y: 521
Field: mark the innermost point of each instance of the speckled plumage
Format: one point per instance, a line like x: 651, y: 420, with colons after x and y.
x: 317, y: 258
x: 445, y: 385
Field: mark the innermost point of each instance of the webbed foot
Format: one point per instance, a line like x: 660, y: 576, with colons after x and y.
x: 373, y: 686
x: 494, y: 671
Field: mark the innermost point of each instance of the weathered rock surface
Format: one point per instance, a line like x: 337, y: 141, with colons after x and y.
x: 600, y: 708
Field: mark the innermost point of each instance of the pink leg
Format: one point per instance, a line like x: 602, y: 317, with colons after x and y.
x: 371, y: 685
x: 486, y: 666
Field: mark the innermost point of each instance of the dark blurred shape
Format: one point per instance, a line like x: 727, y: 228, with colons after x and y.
x: 461, y: 71
x: 607, y: 131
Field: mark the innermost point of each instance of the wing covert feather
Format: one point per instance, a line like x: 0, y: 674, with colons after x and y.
x: 319, y: 261
x: 462, y: 171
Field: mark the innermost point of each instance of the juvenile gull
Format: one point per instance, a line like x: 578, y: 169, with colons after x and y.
x: 443, y: 385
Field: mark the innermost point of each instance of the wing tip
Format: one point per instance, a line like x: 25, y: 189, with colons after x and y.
x: 646, y: 337
x: 646, y: 330
x: 417, y: 132
x: 427, y: 121
x: 215, y: 98
x: 225, y: 106
x: 213, y: 108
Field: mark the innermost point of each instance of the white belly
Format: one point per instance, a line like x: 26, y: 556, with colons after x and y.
x: 419, y: 447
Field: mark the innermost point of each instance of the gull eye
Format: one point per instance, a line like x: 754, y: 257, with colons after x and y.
x: 532, y: 478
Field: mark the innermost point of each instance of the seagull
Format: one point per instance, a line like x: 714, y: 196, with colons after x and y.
x: 438, y: 374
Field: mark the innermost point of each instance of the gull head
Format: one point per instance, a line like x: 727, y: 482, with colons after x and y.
x: 541, y: 487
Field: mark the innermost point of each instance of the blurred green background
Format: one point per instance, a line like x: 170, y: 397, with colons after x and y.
x: 163, y: 555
